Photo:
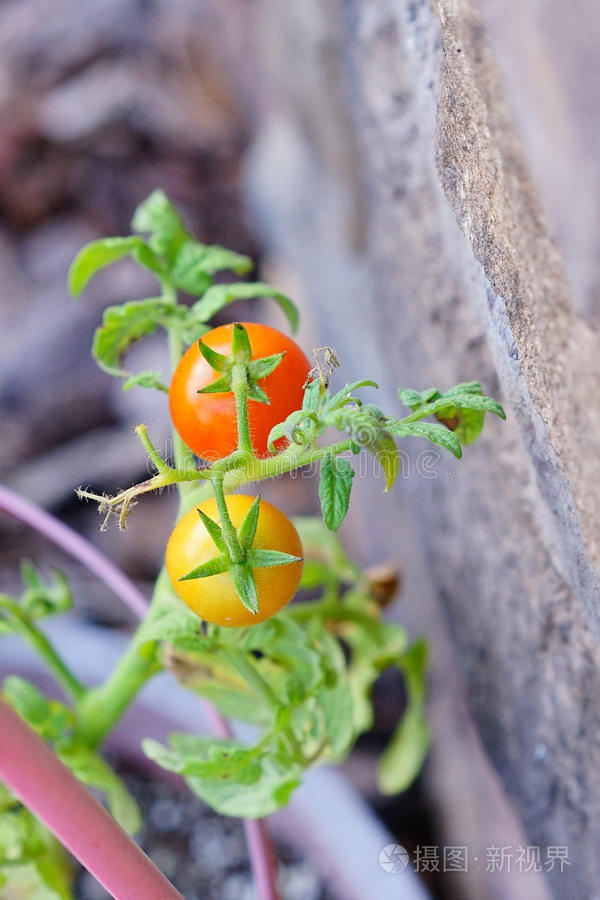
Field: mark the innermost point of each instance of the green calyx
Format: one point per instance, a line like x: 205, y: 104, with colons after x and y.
x: 239, y: 367
x: 236, y: 554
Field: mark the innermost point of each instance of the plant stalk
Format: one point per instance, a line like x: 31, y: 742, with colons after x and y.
x: 239, y: 386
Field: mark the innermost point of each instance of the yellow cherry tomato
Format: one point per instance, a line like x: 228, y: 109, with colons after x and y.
x: 214, y: 598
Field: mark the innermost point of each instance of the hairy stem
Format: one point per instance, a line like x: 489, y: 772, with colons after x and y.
x: 294, y: 457
x: 230, y: 534
x: 160, y: 465
x: 239, y: 386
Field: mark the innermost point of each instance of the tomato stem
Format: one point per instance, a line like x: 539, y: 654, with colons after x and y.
x: 160, y: 465
x: 181, y: 452
x: 239, y: 386
x: 230, y: 535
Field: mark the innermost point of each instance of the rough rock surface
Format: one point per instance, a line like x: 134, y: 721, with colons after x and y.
x: 389, y: 175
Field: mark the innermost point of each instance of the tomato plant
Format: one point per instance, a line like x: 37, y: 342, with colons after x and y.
x: 214, y: 597
x: 301, y: 673
x: 206, y: 417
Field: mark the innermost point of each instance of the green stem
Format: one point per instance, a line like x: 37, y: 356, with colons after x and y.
x: 294, y: 457
x: 103, y: 706
x: 181, y: 452
x: 239, y: 386
x: 240, y: 662
x: 40, y: 643
x: 230, y: 535
x: 160, y: 465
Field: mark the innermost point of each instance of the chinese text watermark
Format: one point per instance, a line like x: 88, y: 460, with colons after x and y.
x: 394, y: 858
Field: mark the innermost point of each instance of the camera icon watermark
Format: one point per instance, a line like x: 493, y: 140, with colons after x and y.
x: 393, y: 858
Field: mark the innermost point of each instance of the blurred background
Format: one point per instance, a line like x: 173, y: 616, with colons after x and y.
x: 307, y: 137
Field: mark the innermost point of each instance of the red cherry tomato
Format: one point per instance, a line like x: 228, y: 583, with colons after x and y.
x: 207, y: 422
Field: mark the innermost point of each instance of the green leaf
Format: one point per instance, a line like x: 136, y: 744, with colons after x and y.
x: 247, y: 530
x: 176, y: 622
x: 53, y: 873
x: 202, y: 756
x: 189, y: 327
x: 216, y: 361
x: 230, y: 777
x: 158, y: 217
x: 321, y: 544
x: 404, y: 756
x: 231, y: 701
x: 262, y: 559
x: 215, y: 566
x: 323, y: 724
x: 410, y: 398
x: 437, y: 434
x: 368, y: 428
x: 187, y: 271
x: 334, y: 489
x: 33, y: 865
x: 215, y: 531
x: 196, y: 263
x: 43, y: 597
x: 314, y: 574
x: 241, y: 351
x: 220, y: 386
x: 461, y: 409
x: 344, y: 396
x: 457, y: 400
x: 89, y: 768
x: 220, y: 295
x: 257, y: 394
x: 372, y: 651
x: 465, y: 387
x: 99, y: 254
x: 467, y: 424
x: 287, y: 650
x: 219, y: 259
x: 243, y: 581
x: 275, y: 434
x: 121, y: 326
x: 384, y: 449
x: 260, y: 368
x: 146, y: 380
x: 52, y: 720
x: 27, y: 700
x: 36, y: 879
x: 312, y: 396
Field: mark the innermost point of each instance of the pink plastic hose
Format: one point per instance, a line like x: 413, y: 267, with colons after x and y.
x: 47, y: 788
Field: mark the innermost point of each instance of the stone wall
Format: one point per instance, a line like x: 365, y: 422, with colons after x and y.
x: 392, y: 187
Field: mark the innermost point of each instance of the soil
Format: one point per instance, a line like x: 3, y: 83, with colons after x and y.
x: 202, y: 853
